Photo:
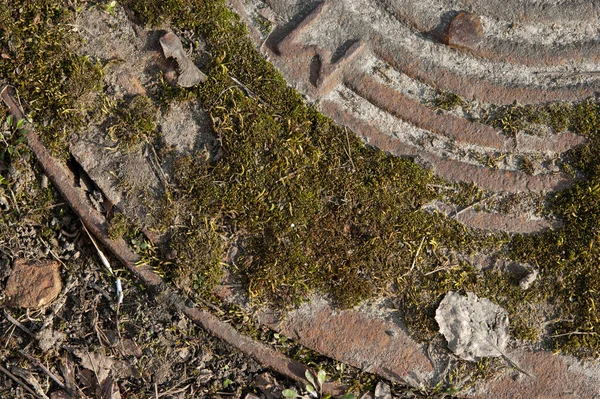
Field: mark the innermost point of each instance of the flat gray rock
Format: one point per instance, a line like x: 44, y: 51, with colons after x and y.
x: 474, y: 327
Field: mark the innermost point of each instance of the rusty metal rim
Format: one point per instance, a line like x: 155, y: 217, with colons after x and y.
x: 63, y: 181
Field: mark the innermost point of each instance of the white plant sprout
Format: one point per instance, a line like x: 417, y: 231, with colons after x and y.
x: 118, y: 286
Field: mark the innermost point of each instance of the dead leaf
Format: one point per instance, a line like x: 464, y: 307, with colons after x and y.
x: 99, y: 364
x: 109, y: 390
x: 172, y: 48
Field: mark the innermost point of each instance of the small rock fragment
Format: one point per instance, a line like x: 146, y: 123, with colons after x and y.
x: 465, y: 31
x: 474, y: 327
x: 49, y: 338
x: 251, y: 396
x: 33, y: 284
x: 526, y: 281
x: 383, y: 391
x: 367, y: 395
x: 189, y: 75
x: 131, y: 348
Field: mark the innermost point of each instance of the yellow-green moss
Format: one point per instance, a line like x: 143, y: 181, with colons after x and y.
x: 43, y: 65
x: 311, y: 207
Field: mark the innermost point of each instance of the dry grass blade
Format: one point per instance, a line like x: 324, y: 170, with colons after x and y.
x: 103, y: 257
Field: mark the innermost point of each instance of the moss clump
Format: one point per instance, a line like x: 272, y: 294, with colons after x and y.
x: 133, y: 121
x: 118, y: 226
x: 526, y: 165
x: 448, y: 101
x: 43, y: 65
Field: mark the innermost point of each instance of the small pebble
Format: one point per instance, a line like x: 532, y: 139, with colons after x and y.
x: 526, y: 281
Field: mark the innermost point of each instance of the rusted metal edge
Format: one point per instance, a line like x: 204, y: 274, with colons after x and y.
x: 63, y: 181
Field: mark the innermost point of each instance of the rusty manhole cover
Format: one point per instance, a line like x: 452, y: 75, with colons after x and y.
x: 380, y: 67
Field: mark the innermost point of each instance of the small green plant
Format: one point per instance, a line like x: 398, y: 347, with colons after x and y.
x: 11, y: 137
x: 110, y: 7
x: 448, y: 101
x: 314, y: 387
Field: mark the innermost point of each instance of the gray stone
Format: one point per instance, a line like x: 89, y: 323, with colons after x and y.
x: 189, y: 74
x: 383, y: 391
x: 474, y: 327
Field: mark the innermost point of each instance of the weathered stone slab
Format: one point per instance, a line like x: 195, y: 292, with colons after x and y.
x: 358, y: 337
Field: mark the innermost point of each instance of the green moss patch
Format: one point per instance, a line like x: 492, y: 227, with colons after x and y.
x: 306, y: 204
x: 41, y: 61
x: 310, y: 206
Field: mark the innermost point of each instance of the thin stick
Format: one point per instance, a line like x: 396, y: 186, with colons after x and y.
x: 45, y: 370
x: 47, y: 207
x: 573, y: 333
x: 54, y: 255
x: 248, y: 91
x: 15, y: 379
x: 18, y: 323
x: 158, y: 167
x: 173, y: 391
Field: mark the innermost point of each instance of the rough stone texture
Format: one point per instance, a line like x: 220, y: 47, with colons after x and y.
x: 383, y: 391
x: 459, y: 129
x: 465, y: 30
x: 473, y: 327
x: 453, y: 170
x: 136, y: 51
x: 33, y: 284
x: 331, y: 50
x: 133, y: 180
x: 551, y: 377
x: 186, y: 128
x: 492, y: 221
x: 502, y: 41
x: 475, y: 88
x: 363, y: 340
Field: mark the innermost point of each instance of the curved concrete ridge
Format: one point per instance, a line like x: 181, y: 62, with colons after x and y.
x: 418, y: 114
x: 434, y: 20
x: 453, y: 170
x: 474, y: 88
x: 547, y: 11
x: 453, y: 127
x: 492, y: 221
x: 427, y: 13
x: 435, y: 64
